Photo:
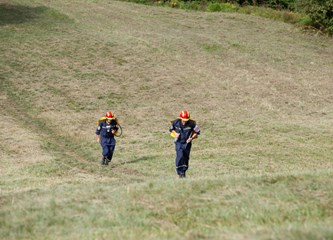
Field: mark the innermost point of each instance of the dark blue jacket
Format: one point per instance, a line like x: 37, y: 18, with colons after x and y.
x: 184, y: 130
x: 105, y: 131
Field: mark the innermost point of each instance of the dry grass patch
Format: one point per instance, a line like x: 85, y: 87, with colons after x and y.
x: 20, y: 147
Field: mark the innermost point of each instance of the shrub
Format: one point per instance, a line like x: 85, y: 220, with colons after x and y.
x: 214, y: 7
x: 281, y: 4
x: 306, y: 20
x: 191, y: 5
x: 320, y: 12
x: 174, y: 3
x: 277, y: 4
x: 221, y: 7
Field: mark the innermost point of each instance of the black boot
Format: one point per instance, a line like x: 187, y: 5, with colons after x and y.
x: 103, y: 161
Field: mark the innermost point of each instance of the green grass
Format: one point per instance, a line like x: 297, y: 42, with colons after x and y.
x: 260, y: 91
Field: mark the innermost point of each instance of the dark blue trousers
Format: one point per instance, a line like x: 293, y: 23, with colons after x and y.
x: 182, y: 157
x: 107, y: 153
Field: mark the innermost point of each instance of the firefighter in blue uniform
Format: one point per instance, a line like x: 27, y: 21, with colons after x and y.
x: 184, y: 130
x: 105, y: 136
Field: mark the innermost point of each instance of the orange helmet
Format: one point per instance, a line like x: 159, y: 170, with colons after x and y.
x: 184, y: 115
x: 109, y: 115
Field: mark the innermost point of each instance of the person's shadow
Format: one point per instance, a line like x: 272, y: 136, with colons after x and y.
x: 16, y: 14
x: 144, y: 158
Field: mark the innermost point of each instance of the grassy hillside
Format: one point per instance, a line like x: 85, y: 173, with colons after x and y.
x: 261, y: 92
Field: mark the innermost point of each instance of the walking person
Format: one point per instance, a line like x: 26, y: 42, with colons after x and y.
x: 184, y: 130
x: 106, y: 130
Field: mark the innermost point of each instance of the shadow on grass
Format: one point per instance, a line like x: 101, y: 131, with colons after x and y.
x: 141, y: 159
x: 16, y: 14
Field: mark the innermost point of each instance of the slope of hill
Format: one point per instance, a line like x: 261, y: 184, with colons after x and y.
x: 261, y: 91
